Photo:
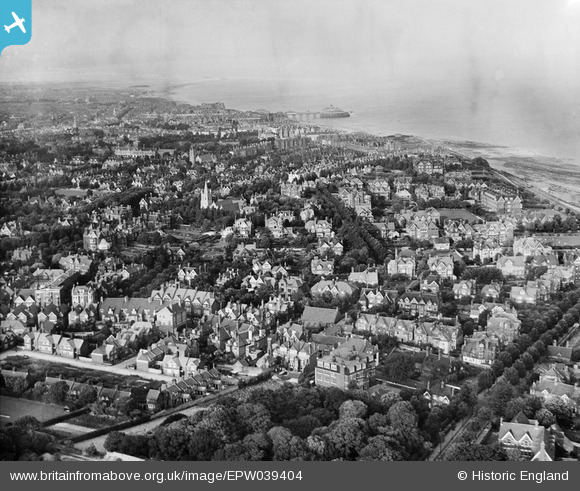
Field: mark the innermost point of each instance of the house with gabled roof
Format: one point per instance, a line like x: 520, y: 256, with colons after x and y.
x: 108, y: 352
x: 321, y: 267
x: 487, y: 249
x: 528, y: 294
x: 334, y: 288
x: 559, y: 353
x: 154, y: 400
x: 442, y: 265
x: 375, y: 297
x: 492, y: 291
x: 48, y: 343
x: 441, y: 336
x: 554, y: 390
x: 504, y: 326
x: 375, y: 323
x: 316, y: 318
x: 30, y: 340
x: 73, y: 348
x: 530, y: 246
x: 403, y: 263
x: 480, y: 349
x: 320, y: 228
x: 529, y: 437
x: 465, y: 288
x: 440, y: 394
x: 419, y: 303
x: 197, y: 302
x: 296, y: 355
x: 431, y: 283
x: 369, y: 277
x: 512, y: 266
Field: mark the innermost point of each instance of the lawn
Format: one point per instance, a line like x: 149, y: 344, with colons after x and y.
x: 12, y: 409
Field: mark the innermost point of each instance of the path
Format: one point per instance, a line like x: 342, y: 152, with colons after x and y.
x: 118, y: 369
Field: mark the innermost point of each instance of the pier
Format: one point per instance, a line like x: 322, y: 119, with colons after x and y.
x: 303, y: 116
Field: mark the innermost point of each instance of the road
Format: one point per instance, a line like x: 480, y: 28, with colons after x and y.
x: 439, y: 451
x: 118, y: 369
x: 520, y: 183
x: 200, y: 405
x: 70, y: 428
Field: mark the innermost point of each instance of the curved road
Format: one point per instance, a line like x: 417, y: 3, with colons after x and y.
x: 143, y: 428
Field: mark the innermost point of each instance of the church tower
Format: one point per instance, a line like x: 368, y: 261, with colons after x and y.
x: 205, y: 197
x: 192, y: 155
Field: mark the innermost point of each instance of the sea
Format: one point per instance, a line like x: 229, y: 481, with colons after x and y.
x: 524, y: 116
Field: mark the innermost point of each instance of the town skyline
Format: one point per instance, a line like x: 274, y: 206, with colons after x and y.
x: 291, y: 231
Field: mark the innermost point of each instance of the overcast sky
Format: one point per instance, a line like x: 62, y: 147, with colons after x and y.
x: 395, y: 41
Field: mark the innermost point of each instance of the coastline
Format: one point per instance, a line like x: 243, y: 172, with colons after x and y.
x: 546, y: 176
x: 553, y: 178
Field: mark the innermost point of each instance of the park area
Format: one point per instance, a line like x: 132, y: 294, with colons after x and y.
x: 12, y: 409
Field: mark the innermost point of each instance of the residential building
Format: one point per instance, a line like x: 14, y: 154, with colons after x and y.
x: 530, y: 246
x: 480, y: 349
x: 351, y: 364
x: 512, y: 266
x: 528, y: 437
x: 419, y: 303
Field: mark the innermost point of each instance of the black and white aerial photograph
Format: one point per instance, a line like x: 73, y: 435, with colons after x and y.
x: 291, y: 230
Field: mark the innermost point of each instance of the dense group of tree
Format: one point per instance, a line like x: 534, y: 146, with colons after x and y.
x: 541, y: 326
x: 298, y: 423
x: 23, y: 441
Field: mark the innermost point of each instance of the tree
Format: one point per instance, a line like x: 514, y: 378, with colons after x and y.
x: 468, y: 327
x: 91, y: 451
x: 399, y: 367
x: 27, y: 423
x: 561, y: 411
x: 254, y: 417
x: 380, y: 447
x: 402, y: 416
x: 17, y: 385
x: 527, y: 361
x: 513, y: 407
x: 497, y: 367
x: 286, y: 446
x: 520, y: 368
x: 57, y: 392
x: 533, y: 352
x: 202, y: 444
x: 390, y: 398
x: 39, y: 390
x: 303, y: 426
x: 485, y: 379
x: 524, y: 342
x: 511, y: 375
x: 475, y: 452
x: 345, y: 438
x: 87, y: 395
x: 532, y: 405
x: 467, y: 396
x: 506, y: 359
x: 171, y: 442
x: 545, y: 417
x: 502, y: 393
x: 253, y: 447
x: 353, y: 409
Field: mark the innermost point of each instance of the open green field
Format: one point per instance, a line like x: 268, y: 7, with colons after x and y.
x: 12, y: 409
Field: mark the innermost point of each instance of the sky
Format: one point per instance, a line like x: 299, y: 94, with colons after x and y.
x: 399, y: 42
